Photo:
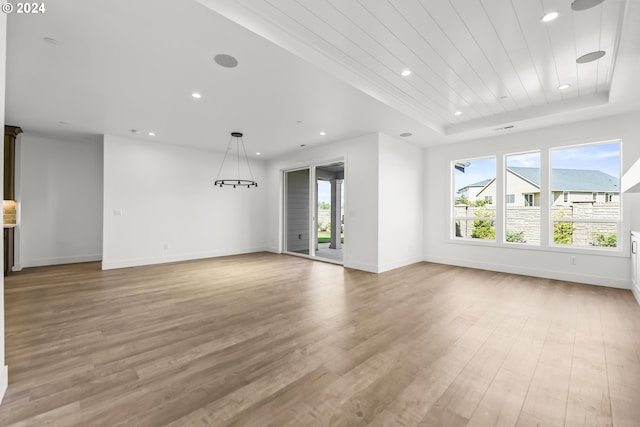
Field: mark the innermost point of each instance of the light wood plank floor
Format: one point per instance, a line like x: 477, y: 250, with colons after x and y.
x: 276, y: 340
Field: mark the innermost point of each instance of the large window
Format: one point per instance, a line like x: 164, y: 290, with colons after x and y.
x: 578, y: 188
x: 474, y: 189
x: 585, y: 195
x: 522, y: 217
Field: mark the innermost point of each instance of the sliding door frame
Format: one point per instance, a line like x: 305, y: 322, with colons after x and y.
x: 313, y: 204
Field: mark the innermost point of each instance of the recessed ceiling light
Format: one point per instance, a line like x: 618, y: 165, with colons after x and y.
x: 226, y: 61
x: 564, y: 86
x: 457, y: 113
x: 151, y: 134
x: 323, y: 133
x: 258, y: 153
x: 62, y: 122
x: 406, y: 134
x: 196, y: 95
x: 550, y: 16
x: 504, y: 97
x: 303, y: 145
x: 590, y: 57
x: 579, y: 5
x: 406, y: 73
x: 50, y: 40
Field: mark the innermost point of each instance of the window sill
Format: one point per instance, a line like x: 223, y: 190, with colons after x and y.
x: 618, y: 252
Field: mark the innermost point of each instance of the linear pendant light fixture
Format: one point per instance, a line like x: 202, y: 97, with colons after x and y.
x: 237, y: 182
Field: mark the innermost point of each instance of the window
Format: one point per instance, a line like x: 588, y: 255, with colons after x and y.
x: 529, y: 200
x: 511, y: 198
x: 580, y: 172
x: 522, y: 180
x: 474, y: 188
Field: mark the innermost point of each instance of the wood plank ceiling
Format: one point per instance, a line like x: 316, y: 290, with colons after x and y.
x: 474, y: 63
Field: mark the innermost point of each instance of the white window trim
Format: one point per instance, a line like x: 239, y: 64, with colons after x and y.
x: 545, y: 204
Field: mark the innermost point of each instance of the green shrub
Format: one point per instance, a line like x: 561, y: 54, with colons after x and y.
x: 563, y: 233
x: 483, y: 228
x: 462, y: 200
x: 609, y: 240
x: 516, y: 237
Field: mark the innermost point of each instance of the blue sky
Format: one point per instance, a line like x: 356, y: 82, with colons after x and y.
x: 603, y: 157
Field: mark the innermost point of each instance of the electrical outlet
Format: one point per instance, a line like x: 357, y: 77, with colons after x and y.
x: 299, y: 236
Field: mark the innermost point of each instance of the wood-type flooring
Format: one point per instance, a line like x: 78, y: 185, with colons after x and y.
x: 275, y: 340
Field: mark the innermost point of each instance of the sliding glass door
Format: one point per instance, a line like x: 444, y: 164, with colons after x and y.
x: 297, y: 211
x: 314, y: 214
x: 329, y: 212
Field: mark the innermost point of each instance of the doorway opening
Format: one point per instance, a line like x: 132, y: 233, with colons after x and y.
x: 330, y: 212
x: 314, y: 212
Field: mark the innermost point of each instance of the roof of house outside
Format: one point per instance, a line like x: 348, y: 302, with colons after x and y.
x: 572, y: 179
x: 476, y: 184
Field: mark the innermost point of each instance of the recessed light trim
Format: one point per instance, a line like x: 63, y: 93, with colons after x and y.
x: 564, y: 86
x: 590, y: 57
x: 457, y: 113
x: 258, y: 153
x: 579, y: 5
x: 406, y: 134
x: 151, y: 134
x: 405, y: 73
x: 196, y: 95
x: 550, y: 16
x: 323, y: 133
x: 225, y: 60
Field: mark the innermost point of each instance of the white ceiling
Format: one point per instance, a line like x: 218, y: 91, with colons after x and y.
x: 308, y: 66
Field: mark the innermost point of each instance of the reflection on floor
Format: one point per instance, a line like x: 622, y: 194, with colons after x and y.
x: 325, y: 252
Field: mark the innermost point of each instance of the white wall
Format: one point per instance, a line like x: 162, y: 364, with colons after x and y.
x: 169, y: 208
x: 383, y: 218
x: 589, y: 267
x: 4, y: 379
x: 59, y: 194
x: 400, y: 203
x: 360, y: 193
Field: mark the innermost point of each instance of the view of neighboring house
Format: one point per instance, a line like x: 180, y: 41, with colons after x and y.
x: 470, y: 192
x: 567, y: 185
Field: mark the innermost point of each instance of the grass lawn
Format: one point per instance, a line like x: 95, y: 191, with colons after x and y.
x: 326, y: 237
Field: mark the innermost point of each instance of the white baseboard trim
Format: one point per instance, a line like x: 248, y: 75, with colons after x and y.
x: 110, y: 265
x: 636, y: 292
x: 398, y: 264
x: 361, y: 266
x: 56, y: 261
x: 4, y: 381
x: 534, y: 272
